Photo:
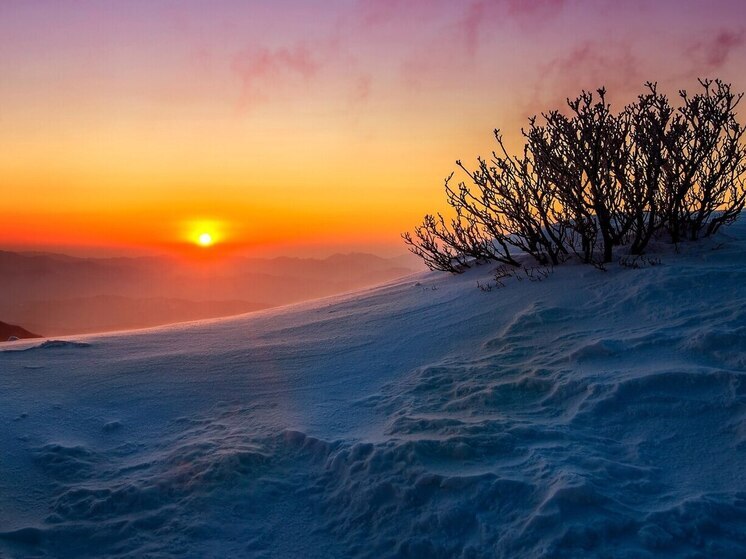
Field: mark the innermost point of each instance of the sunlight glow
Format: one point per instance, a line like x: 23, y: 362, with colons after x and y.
x: 205, y: 240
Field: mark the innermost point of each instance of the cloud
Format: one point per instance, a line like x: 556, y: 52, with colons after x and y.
x: 361, y: 89
x: 474, y: 19
x: 447, y: 38
x: 534, y: 8
x: 588, y: 66
x: 712, y: 52
x: 267, y: 73
x: 479, y: 17
x: 372, y: 13
x: 262, y: 70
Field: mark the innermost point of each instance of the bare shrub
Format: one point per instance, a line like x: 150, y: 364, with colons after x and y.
x: 648, y: 121
x: 704, y: 187
x: 590, y: 180
x: 584, y: 156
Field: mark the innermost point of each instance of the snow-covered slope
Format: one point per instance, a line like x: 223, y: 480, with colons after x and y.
x: 588, y: 415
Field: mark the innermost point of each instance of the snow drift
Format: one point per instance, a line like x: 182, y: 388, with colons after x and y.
x: 588, y: 415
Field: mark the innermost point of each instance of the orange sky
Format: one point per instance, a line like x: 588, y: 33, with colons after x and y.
x: 135, y: 125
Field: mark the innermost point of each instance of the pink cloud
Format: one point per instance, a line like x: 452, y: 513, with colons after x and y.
x: 534, y: 8
x: 480, y: 16
x: 588, y: 66
x: 361, y: 89
x: 465, y: 29
x: 262, y: 70
x: 712, y: 52
x: 474, y: 19
x: 381, y: 12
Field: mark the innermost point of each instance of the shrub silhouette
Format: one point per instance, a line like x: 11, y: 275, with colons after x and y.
x: 589, y: 180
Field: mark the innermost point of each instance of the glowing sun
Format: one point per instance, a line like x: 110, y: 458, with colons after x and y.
x: 204, y: 233
x: 205, y: 240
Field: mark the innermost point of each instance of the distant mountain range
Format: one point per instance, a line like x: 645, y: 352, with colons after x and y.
x: 57, y: 294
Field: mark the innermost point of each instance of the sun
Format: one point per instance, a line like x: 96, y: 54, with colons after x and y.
x: 204, y: 233
x: 205, y: 240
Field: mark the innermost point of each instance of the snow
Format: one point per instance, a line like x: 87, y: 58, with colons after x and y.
x: 592, y: 414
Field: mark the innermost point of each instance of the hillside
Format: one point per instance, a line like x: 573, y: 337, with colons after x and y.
x: 592, y: 414
x: 13, y: 331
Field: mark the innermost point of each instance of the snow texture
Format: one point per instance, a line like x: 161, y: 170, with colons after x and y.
x: 592, y: 414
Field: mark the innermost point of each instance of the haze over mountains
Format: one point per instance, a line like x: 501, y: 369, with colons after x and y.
x: 56, y: 294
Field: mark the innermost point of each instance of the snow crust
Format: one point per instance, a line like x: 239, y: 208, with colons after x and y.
x: 593, y: 414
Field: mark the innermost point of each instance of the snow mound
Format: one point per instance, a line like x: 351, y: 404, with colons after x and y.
x: 51, y: 344
x: 588, y: 415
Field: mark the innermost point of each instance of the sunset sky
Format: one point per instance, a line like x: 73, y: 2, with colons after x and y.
x: 295, y: 125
